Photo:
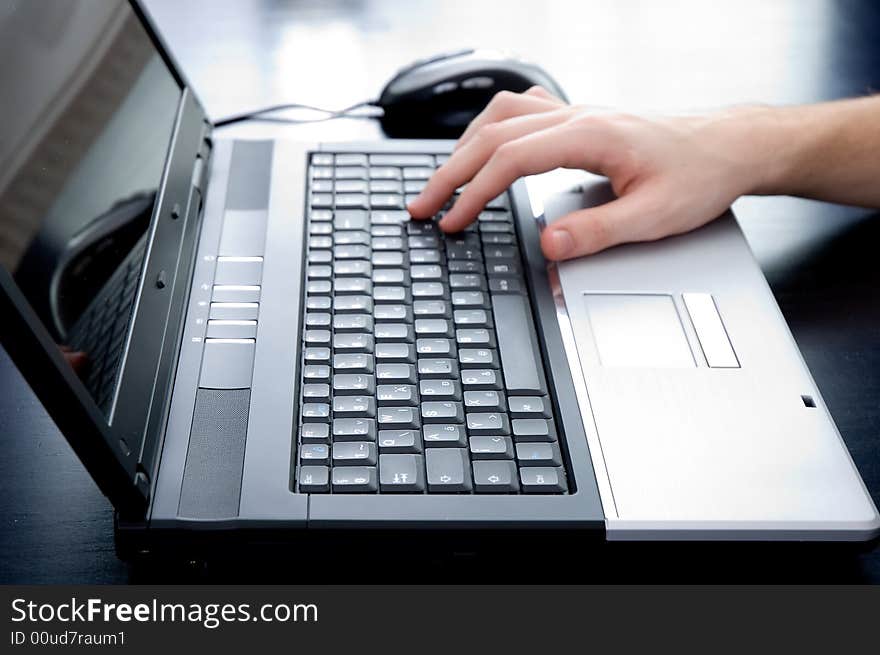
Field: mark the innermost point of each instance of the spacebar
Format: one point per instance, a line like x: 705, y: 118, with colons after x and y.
x: 516, y: 345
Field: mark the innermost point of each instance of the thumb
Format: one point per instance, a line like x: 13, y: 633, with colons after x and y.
x: 588, y: 231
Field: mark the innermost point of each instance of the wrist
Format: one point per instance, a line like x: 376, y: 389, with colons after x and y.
x: 766, y: 145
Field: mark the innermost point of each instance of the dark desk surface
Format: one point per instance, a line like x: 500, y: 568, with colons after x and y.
x: 821, y: 260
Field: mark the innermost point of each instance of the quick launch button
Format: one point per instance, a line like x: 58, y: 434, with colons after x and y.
x: 710, y: 330
x: 227, y: 364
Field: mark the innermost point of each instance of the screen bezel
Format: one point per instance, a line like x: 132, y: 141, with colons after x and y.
x: 121, y: 451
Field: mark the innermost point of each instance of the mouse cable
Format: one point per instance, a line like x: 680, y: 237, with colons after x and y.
x: 260, y: 114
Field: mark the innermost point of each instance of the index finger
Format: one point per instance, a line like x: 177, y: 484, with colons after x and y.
x: 559, y: 146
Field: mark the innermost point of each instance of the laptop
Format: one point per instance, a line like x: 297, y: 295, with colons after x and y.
x: 246, y: 337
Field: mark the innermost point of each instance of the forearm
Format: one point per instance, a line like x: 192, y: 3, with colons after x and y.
x: 829, y: 151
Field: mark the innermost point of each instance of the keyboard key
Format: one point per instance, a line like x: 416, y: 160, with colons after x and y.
x: 400, y: 353
x: 354, y: 479
x: 386, y: 201
x: 316, y: 411
x: 351, y: 186
x: 316, y: 355
x: 435, y: 347
x: 477, y: 358
x: 350, y: 173
x: 352, y: 201
x: 389, y: 276
x: 426, y: 272
x: 417, y: 172
x: 528, y: 407
x: 472, y: 317
x: 350, y: 220
x: 533, y: 429
x: 390, y: 295
x: 316, y: 372
x: 352, y: 285
x: 433, y: 327
x: 446, y: 389
x: 351, y: 237
x: 398, y: 417
x: 393, y: 332
x: 317, y: 319
x: 314, y: 479
x: 424, y: 256
x: 353, y: 383
x: 466, y: 281
x: 315, y: 392
x: 317, y: 337
x: 396, y: 373
x: 401, y: 473
x: 444, y: 434
x: 354, y: 453
x: 352, y: 323
x: 475, y: 337
x: 396, y: 394
x: 388, y: 243
x: 386, y: 186
x: 318, y: 302
x: 353, y: 363
x: 385, y: 173
x: 352, y: 159
x: 314, y: 433
x: 491, y: 423
x: 542, y: 480
x: 486, y: 400
x: 315, y: 453
x: 469, y: 299
x: 483, y: 447
x: 393, y: 313
x: 538, y: 454
x: 400, y: 441
x: 401, y: 160
x: 351, y: 252
x: 352, y: 267
x: 448, y: 470
x: 389, y: 217
x: 388, y: 258
x: 430, y: 308
x: 438, y: 368
x: 354, y: 406
x: 505, y: 285
x: 517, y: 347
x: 360, y: 304
x: 495, y: 477
x: 354, y: 342
x: 442, y: 412
x: 354, y: 429
x: 386, y: 231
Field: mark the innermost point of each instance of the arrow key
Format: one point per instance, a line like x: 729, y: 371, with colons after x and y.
x: 448, y: 470
x: 495, y: 477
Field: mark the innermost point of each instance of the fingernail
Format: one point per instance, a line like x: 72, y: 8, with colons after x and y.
x: 561, y: 242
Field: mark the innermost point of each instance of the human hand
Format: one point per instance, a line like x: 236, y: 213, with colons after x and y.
x: 671, y: 175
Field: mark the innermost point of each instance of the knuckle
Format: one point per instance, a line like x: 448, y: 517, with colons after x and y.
x: 489, y: 133
x: 507, y: 157
x: 503, y: 99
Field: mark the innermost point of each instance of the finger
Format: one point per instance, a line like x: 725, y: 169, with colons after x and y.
x: 506, y: 105
x: 588, y: 231
x: 465, y: 163
x: 562, y: 145
x: 541, y: 92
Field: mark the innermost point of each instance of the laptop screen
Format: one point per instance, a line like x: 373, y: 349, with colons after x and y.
x: 88, y: 108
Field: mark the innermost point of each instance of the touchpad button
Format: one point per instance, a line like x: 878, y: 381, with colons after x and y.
x: 638, y: 331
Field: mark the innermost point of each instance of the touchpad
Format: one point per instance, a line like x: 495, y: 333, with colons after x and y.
x: 637, y: 330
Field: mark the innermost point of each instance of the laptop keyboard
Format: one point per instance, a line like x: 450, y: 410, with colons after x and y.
x: 421, y: 372
x: 101, y: 330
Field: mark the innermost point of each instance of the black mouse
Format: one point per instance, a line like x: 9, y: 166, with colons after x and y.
x: 436, y: 98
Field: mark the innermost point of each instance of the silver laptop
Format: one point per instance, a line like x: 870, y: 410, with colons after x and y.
x: 252, y: 339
